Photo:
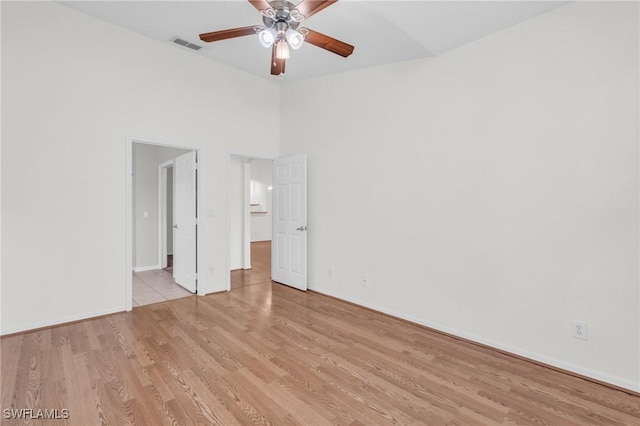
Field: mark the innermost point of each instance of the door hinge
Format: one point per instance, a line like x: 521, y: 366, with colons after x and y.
x: 195, y: 166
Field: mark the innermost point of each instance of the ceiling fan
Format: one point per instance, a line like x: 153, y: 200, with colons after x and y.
x: 280, y: 30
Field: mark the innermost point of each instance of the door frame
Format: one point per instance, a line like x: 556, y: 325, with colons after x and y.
x: 202, y: 261
x: 162, y: 212
x: 246, y: 212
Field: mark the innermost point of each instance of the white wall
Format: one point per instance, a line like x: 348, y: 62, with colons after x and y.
x: 73, y: 89
x: 236, y: 211
x: 146, y: 159
x: 262, y: 171
x: 491, y: 192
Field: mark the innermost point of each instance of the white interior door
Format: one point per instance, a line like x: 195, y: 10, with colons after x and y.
x: 184, y: 221
x: 289, y: 242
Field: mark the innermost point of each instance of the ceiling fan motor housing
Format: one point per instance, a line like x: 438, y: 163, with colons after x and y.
x: 284, y: 16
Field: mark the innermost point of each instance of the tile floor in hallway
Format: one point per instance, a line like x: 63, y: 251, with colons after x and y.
x: 155, y: 286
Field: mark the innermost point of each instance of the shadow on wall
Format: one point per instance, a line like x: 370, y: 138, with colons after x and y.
x: 146, y: 238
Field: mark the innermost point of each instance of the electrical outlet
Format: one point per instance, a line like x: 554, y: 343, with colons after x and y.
x: 364, y: 281
x: 330, y: 273
x: 579, y: 330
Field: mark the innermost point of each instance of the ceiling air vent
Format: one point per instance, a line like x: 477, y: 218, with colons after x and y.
x: 185, y: 43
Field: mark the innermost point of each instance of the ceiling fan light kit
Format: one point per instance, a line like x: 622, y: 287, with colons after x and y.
x: 280, y: 31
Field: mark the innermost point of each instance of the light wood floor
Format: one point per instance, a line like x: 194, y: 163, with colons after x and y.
x: 260, y: 271
x: 269, y: 354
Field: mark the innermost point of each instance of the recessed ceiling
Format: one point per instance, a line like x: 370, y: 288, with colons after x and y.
x: 381, y: 31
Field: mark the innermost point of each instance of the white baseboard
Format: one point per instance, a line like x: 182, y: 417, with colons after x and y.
x: 146, y: 268
x: 213, y: 291
x: 60, y: 321
x: 564, y: 365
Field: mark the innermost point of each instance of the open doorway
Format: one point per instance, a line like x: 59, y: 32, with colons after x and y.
x: 251, y: 220
x: 164, y: 202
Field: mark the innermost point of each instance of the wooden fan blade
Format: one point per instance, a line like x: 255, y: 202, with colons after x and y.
x: 260, y: 4
x: 225, y: 34
x: 277, y: 65
x: 328, y: 43
x: 311, y: 7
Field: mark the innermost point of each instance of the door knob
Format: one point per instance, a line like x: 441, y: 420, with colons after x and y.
x: 175, y: 226
x: 302, y: 228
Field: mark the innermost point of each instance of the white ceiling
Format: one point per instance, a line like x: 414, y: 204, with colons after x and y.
x: 381, y: 31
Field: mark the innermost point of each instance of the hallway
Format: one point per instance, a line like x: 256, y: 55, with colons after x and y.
x: 156, y: 286
x: 260, y: 271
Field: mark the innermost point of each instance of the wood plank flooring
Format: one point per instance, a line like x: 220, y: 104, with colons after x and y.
x: 260, y: 271
x: 269, y: 354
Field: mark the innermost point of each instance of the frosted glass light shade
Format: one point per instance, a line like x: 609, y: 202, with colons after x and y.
x: 294, y: 38
x: 282, y: 50
x: 267, y: 37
